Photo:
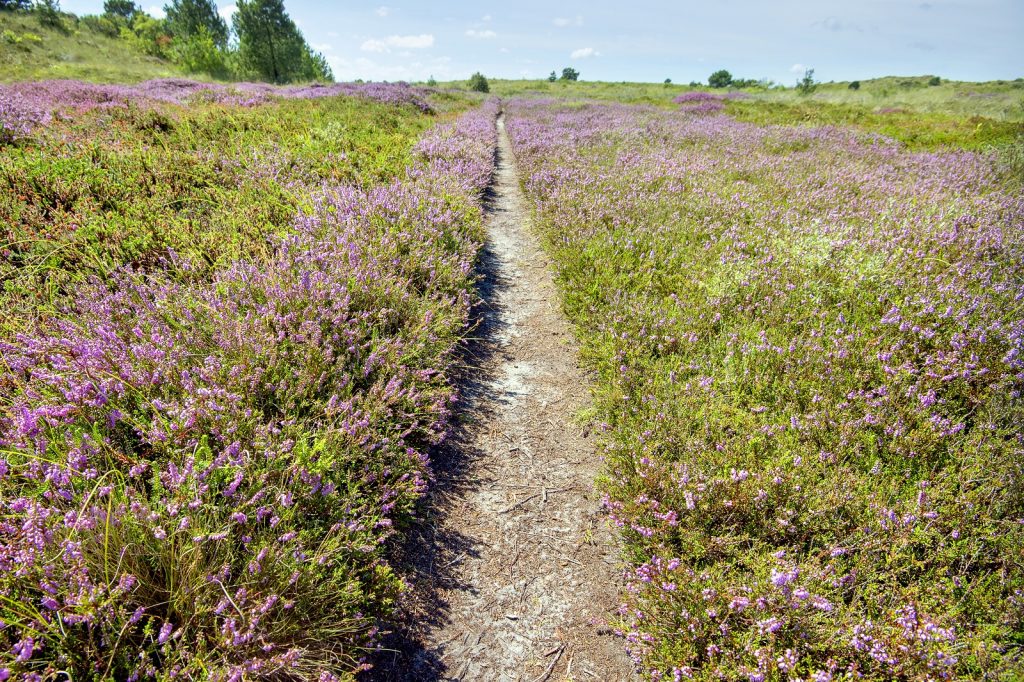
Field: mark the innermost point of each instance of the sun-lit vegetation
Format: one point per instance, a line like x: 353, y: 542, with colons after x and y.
x: 229, y: 316
x: 808, y: 344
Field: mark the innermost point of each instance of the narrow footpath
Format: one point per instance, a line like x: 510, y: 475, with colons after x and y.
x: 516, y: 573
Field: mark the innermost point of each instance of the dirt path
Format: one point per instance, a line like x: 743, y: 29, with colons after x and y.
x: 516, y: 571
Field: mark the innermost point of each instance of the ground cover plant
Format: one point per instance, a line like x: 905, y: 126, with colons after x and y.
x: 229, y: 320
x: 95, y: 177
x: 808, y: 353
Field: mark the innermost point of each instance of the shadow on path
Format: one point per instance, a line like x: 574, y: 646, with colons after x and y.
x: 430, y: 551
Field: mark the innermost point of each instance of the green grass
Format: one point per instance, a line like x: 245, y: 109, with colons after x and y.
x: 998, y: 100
x: 29, y: 51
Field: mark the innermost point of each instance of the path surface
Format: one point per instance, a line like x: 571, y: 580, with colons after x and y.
x: 515, y: 570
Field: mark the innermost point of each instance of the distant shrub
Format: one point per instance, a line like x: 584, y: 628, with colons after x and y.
x: 431, y: 82
x: 552, y: 77
x: 720, y: 79
x: 478, y: 82
x: 570, y: 74
x: 668, y: 82
x: 934, y: 80
x: 854, y: 85
x: 806, y: 85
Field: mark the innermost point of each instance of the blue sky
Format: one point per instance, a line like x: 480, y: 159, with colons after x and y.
x: 644, y: 40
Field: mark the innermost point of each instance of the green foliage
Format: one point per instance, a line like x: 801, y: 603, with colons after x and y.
x: 189, y: 18
x: 668, y: 81
x: 854, y: 85
x: 431, y: 82
x: 49, y: 15
x: 806, y: 84
x: 109, y: 25
x: 720, y: 79
x: 552, y: 77
x: 125, y: 9
x: 934, y: 80
x: 570, y: 74
x: 200, y: 53
x: 150, y: 35
x: 270, y: 46
x: 316, y: 68
x: 478, y: 83
x: 15, y: 4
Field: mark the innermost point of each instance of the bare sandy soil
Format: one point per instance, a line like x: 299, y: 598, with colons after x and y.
x: 514, y: 571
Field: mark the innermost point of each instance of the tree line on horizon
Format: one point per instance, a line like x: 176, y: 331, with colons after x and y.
x: 262, y: 42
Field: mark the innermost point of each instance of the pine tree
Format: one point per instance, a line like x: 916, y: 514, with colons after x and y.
x: 125, y: 9
x: 271, y: 46
x: 187, y: 19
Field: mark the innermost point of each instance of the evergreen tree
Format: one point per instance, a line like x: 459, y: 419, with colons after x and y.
x: 271, y: 46
x: 125, y: 9
x: 187, y: 19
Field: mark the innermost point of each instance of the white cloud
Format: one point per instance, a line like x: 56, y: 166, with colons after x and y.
x: 797, y: 68
x: 383, y: 11
x: 156, y: 11
x: 584, y: 52
x: 398, y: 42
x: 474, y: 33
x: 562, y: 22
x: 349, y: 69
x: 227, y: 11
x: 486, y: 18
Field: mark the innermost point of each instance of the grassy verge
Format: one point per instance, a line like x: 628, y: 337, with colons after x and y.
x: 31, y: 51
x: 808, y: 350
x: 203, y: 451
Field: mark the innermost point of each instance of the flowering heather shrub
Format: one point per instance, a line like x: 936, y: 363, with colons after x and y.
x: 809, y: 348
x: 152, y: 182
x: 703, y: 103
x: 18, y: 117
x: 197, y: 474
x: 48, y: 97
x: 697, y: 96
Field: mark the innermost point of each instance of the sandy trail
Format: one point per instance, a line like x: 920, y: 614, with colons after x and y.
x: 515, y: 571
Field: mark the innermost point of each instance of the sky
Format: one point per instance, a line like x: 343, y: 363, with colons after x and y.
x: 649, y: 41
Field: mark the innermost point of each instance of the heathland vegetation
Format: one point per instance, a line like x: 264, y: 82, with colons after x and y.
x: 808, y: 344
x: 230, y: 314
